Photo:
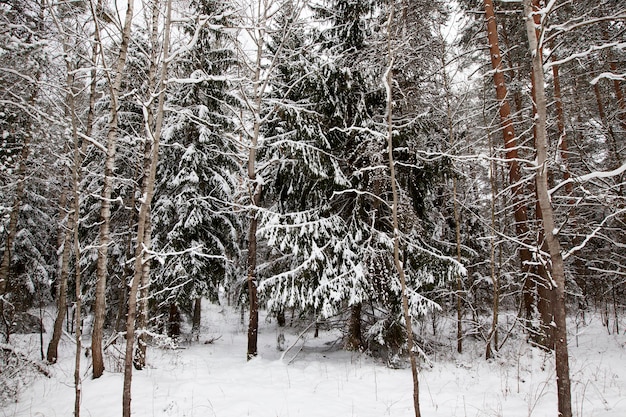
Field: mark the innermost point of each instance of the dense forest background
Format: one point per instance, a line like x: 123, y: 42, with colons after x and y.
x: 369, y: 164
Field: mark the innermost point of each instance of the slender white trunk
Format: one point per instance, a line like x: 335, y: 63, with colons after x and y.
x: 549, y: 226
x: 107, y: 187
x: 143, y: 223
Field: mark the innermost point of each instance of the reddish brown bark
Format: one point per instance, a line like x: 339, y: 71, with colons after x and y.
x: 510, y: 144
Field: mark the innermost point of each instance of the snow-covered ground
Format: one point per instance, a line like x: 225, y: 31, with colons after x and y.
x: 315, y: 378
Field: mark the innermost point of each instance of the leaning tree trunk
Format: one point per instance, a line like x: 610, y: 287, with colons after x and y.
x: 548, y: 222
x: 545, y: 336
x: 105, y: 198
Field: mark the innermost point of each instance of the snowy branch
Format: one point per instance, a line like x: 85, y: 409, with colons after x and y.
x: 589, y: 177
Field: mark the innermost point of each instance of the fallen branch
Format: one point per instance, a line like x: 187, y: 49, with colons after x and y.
x: 282, y: 357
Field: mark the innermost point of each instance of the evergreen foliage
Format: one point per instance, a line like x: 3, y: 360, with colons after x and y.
x: 196, y: 226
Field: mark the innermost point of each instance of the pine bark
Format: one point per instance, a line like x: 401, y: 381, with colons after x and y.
x: 510, y: 144
x: 548, y: 222
x: 105, y: 198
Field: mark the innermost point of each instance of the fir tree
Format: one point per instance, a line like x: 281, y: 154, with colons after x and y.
x: 196, y: 228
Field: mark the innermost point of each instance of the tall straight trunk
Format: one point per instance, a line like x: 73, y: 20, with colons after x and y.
x: 66, y: 233
x: 253, y: 322
x: 139, y: 360
x: 105, y: 197
x: 510, y: 144
x: 493, y: 333
x: 548, y: 223
x: 76, y: 249
x: 457, y: 219
x: 255, y: 190
x: 544, y: 336
x: 560, y: 121
x: 142, y: 262
x: 459, y: 280
x: 388, y: 82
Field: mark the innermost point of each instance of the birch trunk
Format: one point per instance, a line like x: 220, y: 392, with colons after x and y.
x: 548, y: 222
x: 67, y: 234
x: 107, y: 187
x: 142, y: 262
x: 139, y: 360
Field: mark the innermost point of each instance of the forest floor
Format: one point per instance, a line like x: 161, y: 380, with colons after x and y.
x: 211, y: 377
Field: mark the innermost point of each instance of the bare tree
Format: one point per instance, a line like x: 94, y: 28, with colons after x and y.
x: 550, y: 231
x: 397, y: 258
x: 107, y: 187
x: 142, y: 258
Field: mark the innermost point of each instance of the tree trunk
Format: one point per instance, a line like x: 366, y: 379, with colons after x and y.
x: 139, y: 360
x: 65, y: 233
x: 459, y: 281
x: 548, y: 223
x: 77, y: 275
x: 544, y: 337
x: 107, y: 186
x: 52, y: 351
x: 560, y: 122
x: 492, y: 339
x: 197, y: 317
x: 142, y: 262
x: 355, y: 340
x: 457, y: 220
x: 510, y: 144
x: 253, y: 322
x: 255, y: 190
x: 388, y: 82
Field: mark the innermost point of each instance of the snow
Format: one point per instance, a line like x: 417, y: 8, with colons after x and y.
x: 316, y: 378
